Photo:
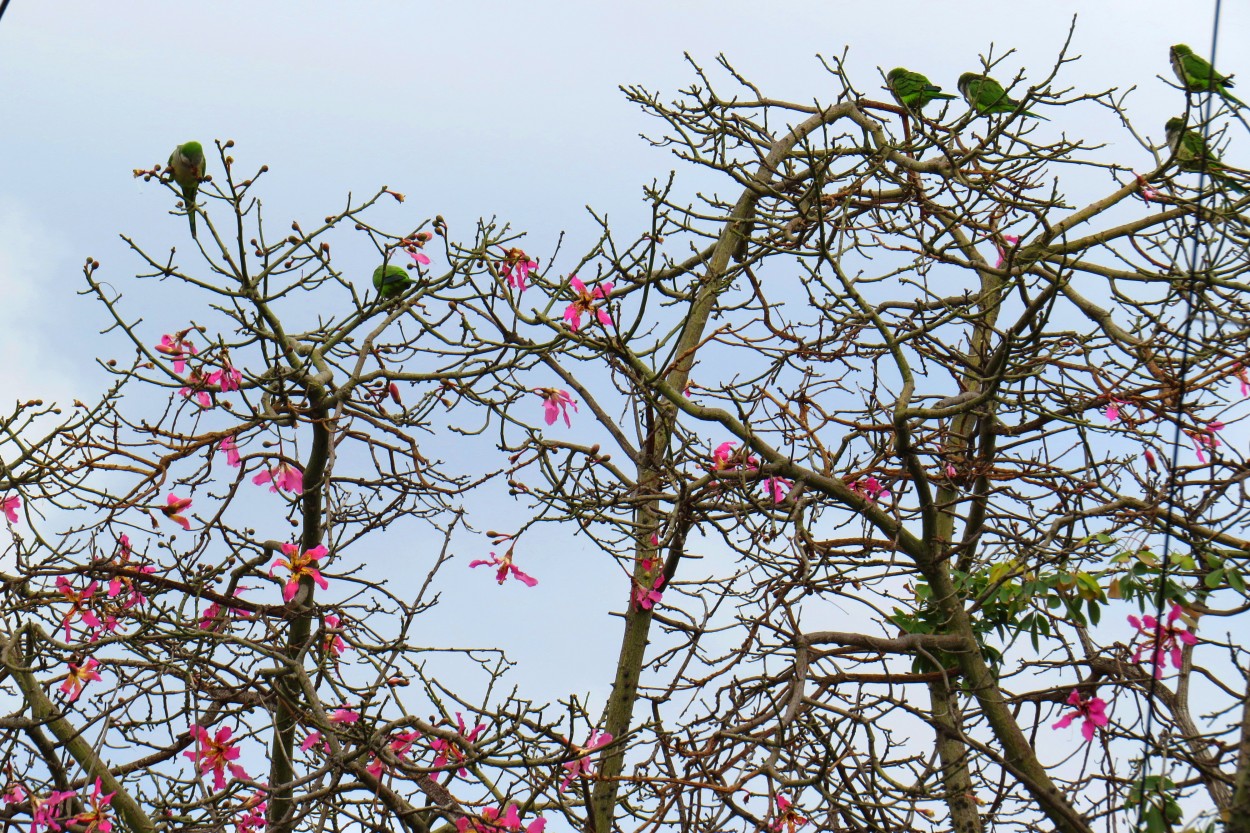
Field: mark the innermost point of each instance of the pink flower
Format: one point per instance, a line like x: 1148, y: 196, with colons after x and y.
x: 333, y: 643
x: 777, y: 488
x: 517, y: 267
x: 300, y: 565
x: 1244, y: 376
x: 400, y: 744
x: 493, y: 821
x: 1009, y: 239
x: 1163, y: 640
x: 252, y: 814
x: 173, y: 508
x: 580, y: 768
x: 450, y: 751
x: 1206, y: 438
x: 585, y: 303
x: 312, y: 740
x: 44, y: 811
x: 345, y: 715
x: 9, y: 506
x: 110, y: 625
x: 1112, y: 412
x: 646, y: 598
x: 1143, y: 188
x: 227, y: 378
x: 208, y: 621
x: 120, y: 584
x: 376, y: 766
x: 126, y: 584
x: 1093, y: 710
x: 282, y: 476
x: 413, y: 245
x: 178, y: 349
x: 215, y: 754
x: 870, y: 489
x: 79, y: 605
x: 212, y: 618
x: 14, y: 794
x: 724, y: 458
x: 505, y: 566
x: 78, y: 678
x: 556, y: 403
x: 227, y: 446
x: 195, y: 388
x: 96, y: 818
x: 787, y: 817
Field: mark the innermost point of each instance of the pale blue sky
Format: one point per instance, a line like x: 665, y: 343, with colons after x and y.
x: 475, y: 108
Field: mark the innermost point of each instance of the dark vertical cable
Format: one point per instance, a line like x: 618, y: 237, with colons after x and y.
x: 1170, y: 489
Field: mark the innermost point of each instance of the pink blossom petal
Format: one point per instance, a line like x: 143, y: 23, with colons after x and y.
x: 227, y: 446
x: 528, y: 581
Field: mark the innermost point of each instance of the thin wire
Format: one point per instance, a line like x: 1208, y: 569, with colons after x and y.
x: 1149, y: 743
x: 4, y: 4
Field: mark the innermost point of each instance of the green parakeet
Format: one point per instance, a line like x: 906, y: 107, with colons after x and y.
x: 187, y: 166
x: 1197, y: 75
x: 389, y: 281
x: 1192, y: 154
x: 912, y: 89
x: 985, y: 95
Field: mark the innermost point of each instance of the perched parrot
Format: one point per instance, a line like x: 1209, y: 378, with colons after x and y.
x: 1197, y: 75
x: 985, y: 95
x: 1192, y: 154
x: 912, y: 89
x: 187, y: 166
x: 389, y: 281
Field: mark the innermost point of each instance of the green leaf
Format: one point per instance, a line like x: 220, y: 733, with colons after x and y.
x: 1214, y: 579
x: 1235, y: 581
x: 1184, y: 561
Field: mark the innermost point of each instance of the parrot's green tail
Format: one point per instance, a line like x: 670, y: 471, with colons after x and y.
x: 1229, y: 182
x: 188, y: 198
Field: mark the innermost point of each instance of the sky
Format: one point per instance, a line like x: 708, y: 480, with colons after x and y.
x: 471, y: 109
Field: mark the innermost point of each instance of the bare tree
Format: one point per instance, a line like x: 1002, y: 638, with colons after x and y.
x: 881, y: 445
